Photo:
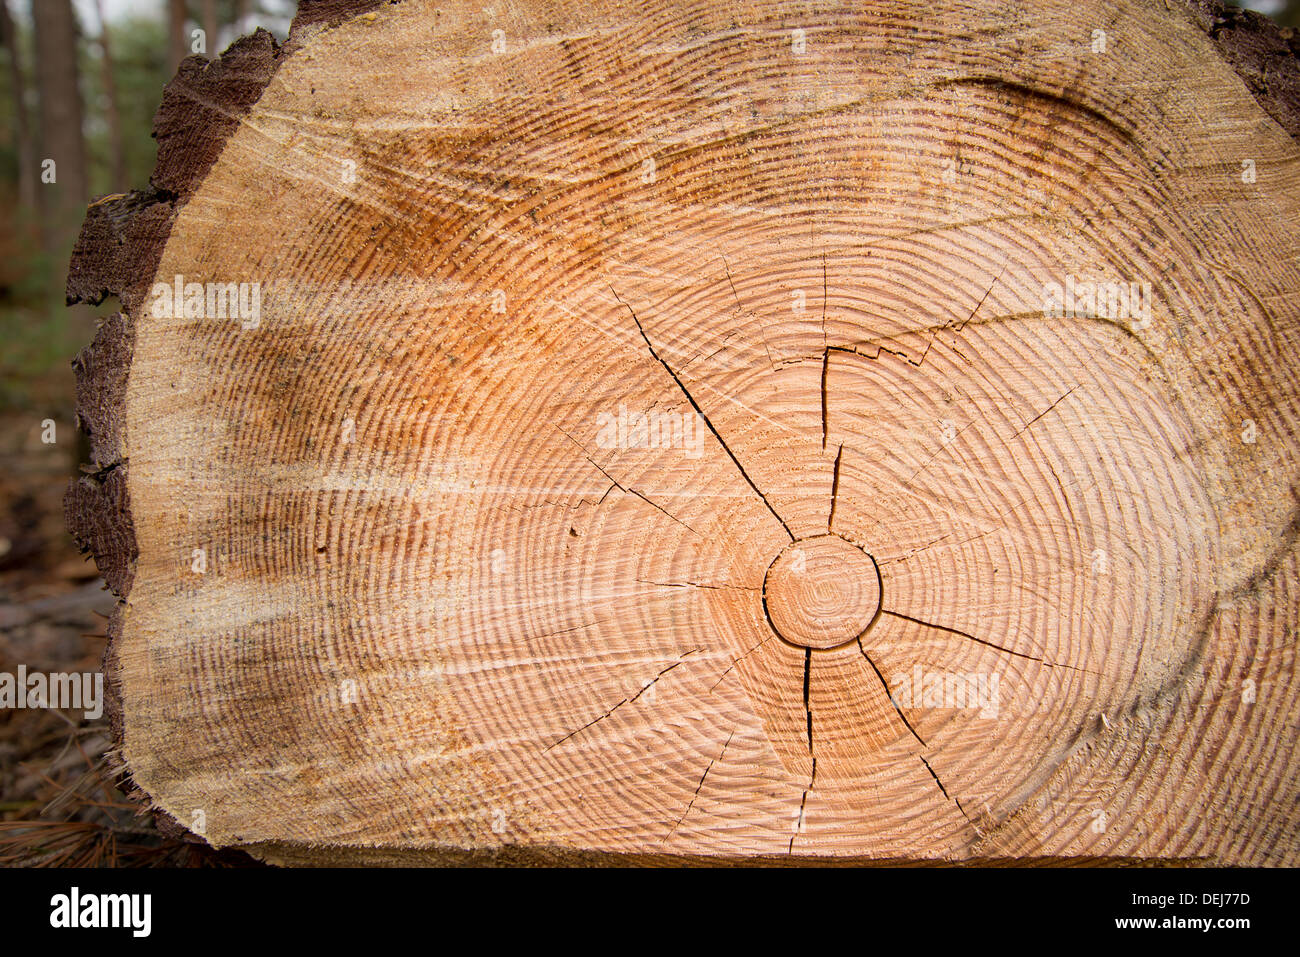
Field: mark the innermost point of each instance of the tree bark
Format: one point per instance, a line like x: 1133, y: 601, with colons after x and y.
x: 743, y: 435
x: 23, y: 144
x: 63, y: 201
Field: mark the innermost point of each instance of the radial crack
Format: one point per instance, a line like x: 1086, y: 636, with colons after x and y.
x: 651, y: 684
x: 826, y: 369
x: 981, y: 641
x: 835, y: 491
x: 586, y: 726
x: 1026, y: 426
x: 700, y: 412
x: 618, y: 485
x: 890, y: 694
x: 569, y: 631
x: 942, y: 788
x: 643, y: 690
x: 807, y: 686
x: 736, y: 661
x: 962, y: 325
x: 689, y: 584
x: 812, y: 780
x: 656, y: 505
x: 699, y: 786
x: 803, y: 803
x: 930, y: 461
x: 735, y: 295
x: 826, y: 365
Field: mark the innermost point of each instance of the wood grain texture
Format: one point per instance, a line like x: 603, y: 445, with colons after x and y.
x: 653, y: 442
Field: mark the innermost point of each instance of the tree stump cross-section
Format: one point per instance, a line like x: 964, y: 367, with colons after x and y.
x: 704, y: 431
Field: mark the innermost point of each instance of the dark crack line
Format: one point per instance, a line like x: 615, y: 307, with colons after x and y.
x: 932, y: 331
x: 1026, y: 426
x: 679, y: 661
x: 699, y: 411
x: 890, y: 694
x: 812, y: 780
x: 826, y: 366
x: 658, y: 506
x: 699, y: 786
x: 803, y: 803
x: 552, y: 503
x: 942, y: 788
x: 568, y: 631
x: 736, y: 661
x: 735, y: 295
x: 807, y: 687
x: 627, y: 490
x: 898, y: 353
x: 824, y: 296
x: 826, y: 370
x: 647, y: 581
x: 835, y: 491
x: 930, y: 544
x: 930, y: 461
x: 962, y: 325
x: 602, y: 717
x: 586, y: 726
x: 981, y: 641
x: 946, y: 795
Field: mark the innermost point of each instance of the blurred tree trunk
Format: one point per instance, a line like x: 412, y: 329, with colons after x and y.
x: 175, y: 33
x: 22, y: 131
x: 210, y: 27
x: 111, y: 113
x: 63, y: 201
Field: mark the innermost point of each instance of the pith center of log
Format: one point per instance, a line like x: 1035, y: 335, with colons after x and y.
x: 822, y: 592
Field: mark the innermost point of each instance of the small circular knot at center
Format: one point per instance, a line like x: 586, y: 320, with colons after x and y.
x: 822, y: 592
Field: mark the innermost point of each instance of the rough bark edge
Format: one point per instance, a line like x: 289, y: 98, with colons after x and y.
x: 1265, y: 55
x: 118, y: 252
x: 315, y: 15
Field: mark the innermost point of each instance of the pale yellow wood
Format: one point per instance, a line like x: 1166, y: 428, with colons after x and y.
x: 444, y: 605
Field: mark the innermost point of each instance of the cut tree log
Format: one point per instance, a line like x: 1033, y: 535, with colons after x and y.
x: 709, y: 431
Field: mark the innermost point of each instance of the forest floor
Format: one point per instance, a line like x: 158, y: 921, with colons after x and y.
x: 60, y: 803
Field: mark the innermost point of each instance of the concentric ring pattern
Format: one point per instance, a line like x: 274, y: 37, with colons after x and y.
x: 601, y: 326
